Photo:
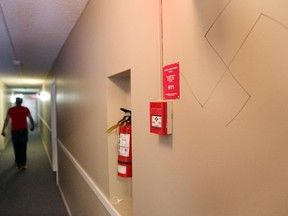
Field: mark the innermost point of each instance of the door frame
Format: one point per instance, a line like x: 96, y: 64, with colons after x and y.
x: 54, y: 129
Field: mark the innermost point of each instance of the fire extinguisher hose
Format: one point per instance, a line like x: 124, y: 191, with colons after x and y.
x: 109, y: 130
x: 126, y: 118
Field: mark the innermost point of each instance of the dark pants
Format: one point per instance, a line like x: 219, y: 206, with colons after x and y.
x: 19, y: 140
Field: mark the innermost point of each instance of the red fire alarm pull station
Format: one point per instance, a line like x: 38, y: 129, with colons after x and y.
x: 161, y: 117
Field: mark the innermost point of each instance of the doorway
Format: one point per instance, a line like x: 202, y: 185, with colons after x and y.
x: 54, y: 130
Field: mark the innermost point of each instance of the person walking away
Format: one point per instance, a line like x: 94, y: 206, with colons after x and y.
x: 19, y: 132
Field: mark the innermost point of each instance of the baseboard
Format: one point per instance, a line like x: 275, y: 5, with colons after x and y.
x: 97, y: 191
x: 64, y: 200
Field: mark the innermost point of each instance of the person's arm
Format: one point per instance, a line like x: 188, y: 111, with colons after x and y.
x: 6, y: 121
x: 31, y: 121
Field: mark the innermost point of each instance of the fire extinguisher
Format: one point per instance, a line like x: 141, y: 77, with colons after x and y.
x: 125, y: 144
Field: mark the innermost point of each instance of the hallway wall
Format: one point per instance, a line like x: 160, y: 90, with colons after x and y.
x: 227, y: 154
x: 3, y: 113
x: 3, y: 105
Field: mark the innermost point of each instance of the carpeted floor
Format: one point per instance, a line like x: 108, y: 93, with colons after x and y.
x: 31, y: 192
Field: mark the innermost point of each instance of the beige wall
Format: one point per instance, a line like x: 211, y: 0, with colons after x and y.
x: 3, y: 113
x: 4, y: 100
x: 227, y: 154
x: 45, y: 120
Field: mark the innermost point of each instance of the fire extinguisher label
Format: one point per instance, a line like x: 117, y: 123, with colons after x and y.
x: 124, y: 145
x: 122, y: 169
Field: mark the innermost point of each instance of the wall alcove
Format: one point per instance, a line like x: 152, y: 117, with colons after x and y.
x: 118, y: 96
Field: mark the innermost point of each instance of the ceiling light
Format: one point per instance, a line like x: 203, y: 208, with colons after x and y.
x: 13, y: 97
x: 16, y: 62
x: 44, y: 96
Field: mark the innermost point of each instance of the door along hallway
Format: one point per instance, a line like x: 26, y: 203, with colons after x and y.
x: 33, y: 191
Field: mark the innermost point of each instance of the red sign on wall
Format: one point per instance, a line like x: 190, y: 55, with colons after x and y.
x: 171, y: 81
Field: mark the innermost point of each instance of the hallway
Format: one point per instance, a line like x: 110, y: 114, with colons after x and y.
x: 33, y: 191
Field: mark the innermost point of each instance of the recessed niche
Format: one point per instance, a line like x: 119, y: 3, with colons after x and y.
x: 118, y: 96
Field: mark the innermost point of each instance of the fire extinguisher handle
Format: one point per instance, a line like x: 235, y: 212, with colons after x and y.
x: 125, y: 110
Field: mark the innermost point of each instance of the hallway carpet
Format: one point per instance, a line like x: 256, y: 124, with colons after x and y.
x: 31, y: 192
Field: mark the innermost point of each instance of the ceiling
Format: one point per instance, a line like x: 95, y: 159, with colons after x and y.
x: 32, y: 33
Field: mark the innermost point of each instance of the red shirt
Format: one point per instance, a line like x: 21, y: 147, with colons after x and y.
x: 18, y: 114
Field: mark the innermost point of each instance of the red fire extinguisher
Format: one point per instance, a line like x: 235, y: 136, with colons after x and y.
x: 125, y: 145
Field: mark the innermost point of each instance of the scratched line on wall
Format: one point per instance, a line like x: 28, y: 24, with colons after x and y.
x: 228, y: 64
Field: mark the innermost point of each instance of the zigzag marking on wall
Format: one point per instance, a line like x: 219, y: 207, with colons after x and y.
x: 227, y: 65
